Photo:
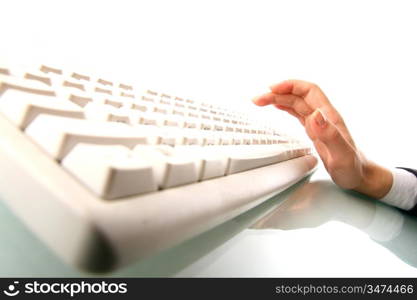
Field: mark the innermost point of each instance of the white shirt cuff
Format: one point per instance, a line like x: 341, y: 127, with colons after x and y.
x: 403, y: 193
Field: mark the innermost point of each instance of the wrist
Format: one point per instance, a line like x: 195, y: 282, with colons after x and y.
x: 376, y: 180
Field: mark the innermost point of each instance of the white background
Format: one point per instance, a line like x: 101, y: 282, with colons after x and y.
x: 362, y: 53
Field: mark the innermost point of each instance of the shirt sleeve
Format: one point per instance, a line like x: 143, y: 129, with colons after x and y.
x: 403, y: 193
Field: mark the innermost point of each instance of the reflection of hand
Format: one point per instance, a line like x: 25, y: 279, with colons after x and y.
x: 316, y: 203
x: 306, y: 207
x: 324, y: 125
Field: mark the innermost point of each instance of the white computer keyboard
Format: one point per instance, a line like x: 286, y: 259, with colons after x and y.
x: 106, y: 173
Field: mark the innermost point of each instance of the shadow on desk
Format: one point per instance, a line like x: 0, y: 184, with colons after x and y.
x: 318, y: 202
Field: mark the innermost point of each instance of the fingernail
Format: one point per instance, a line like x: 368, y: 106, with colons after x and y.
x: 257, y: 100
x: 320, y: 118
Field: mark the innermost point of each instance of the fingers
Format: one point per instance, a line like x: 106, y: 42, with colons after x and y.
x: 265, y: 99
x: 310, y: 92
x: 294, y: 103
x: 304, y: 98
x: 296, y: 87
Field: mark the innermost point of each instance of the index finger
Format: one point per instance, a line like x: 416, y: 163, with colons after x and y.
x: 309, y: 92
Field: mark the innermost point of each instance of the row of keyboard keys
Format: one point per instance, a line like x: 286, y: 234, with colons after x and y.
x: 81, y: 94
x: 58, y: 135
x: 59, y: 73
x: 115, y: 171
x: 106, y: 87
x: 23, y: 108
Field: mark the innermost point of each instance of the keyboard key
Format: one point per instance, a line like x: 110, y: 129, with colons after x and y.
x: 58, y: 135
x: 80, y: 76
x: 72, y: 84
x: 105, y: 82
x: 150, y: 92
x: 114, y: 103
x: 165, y: 96
x: 125, y: 87
x: 140, y: 107
x: 29, y: 86
x: 47, y: 69
x: 98, y: 112
x: 192, y: 137
x: 110, y: 171
x: 170, y: 170
x: 180, y: 105
x: 246, y: 158
x: 148, y: 99
x: 154, y: 119
x: 127, y: 95
x: 103, y: 90
x: 39, y: 77
x: 107, y: 112
x: 164, y: 101
x: 22, y: 108
x: 4, y: 71
x: 75, y: 96
x: 209, y: 163
x: 120, y: 116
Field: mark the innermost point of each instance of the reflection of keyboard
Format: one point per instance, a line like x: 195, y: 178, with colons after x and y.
x: 106, y: 174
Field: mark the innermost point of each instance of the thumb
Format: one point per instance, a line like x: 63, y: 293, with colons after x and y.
x: 319, y: 128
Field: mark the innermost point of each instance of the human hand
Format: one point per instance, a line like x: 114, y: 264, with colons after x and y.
x: 346, y: 165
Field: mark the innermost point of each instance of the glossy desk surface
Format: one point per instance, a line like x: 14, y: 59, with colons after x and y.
x: 313, y: 229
